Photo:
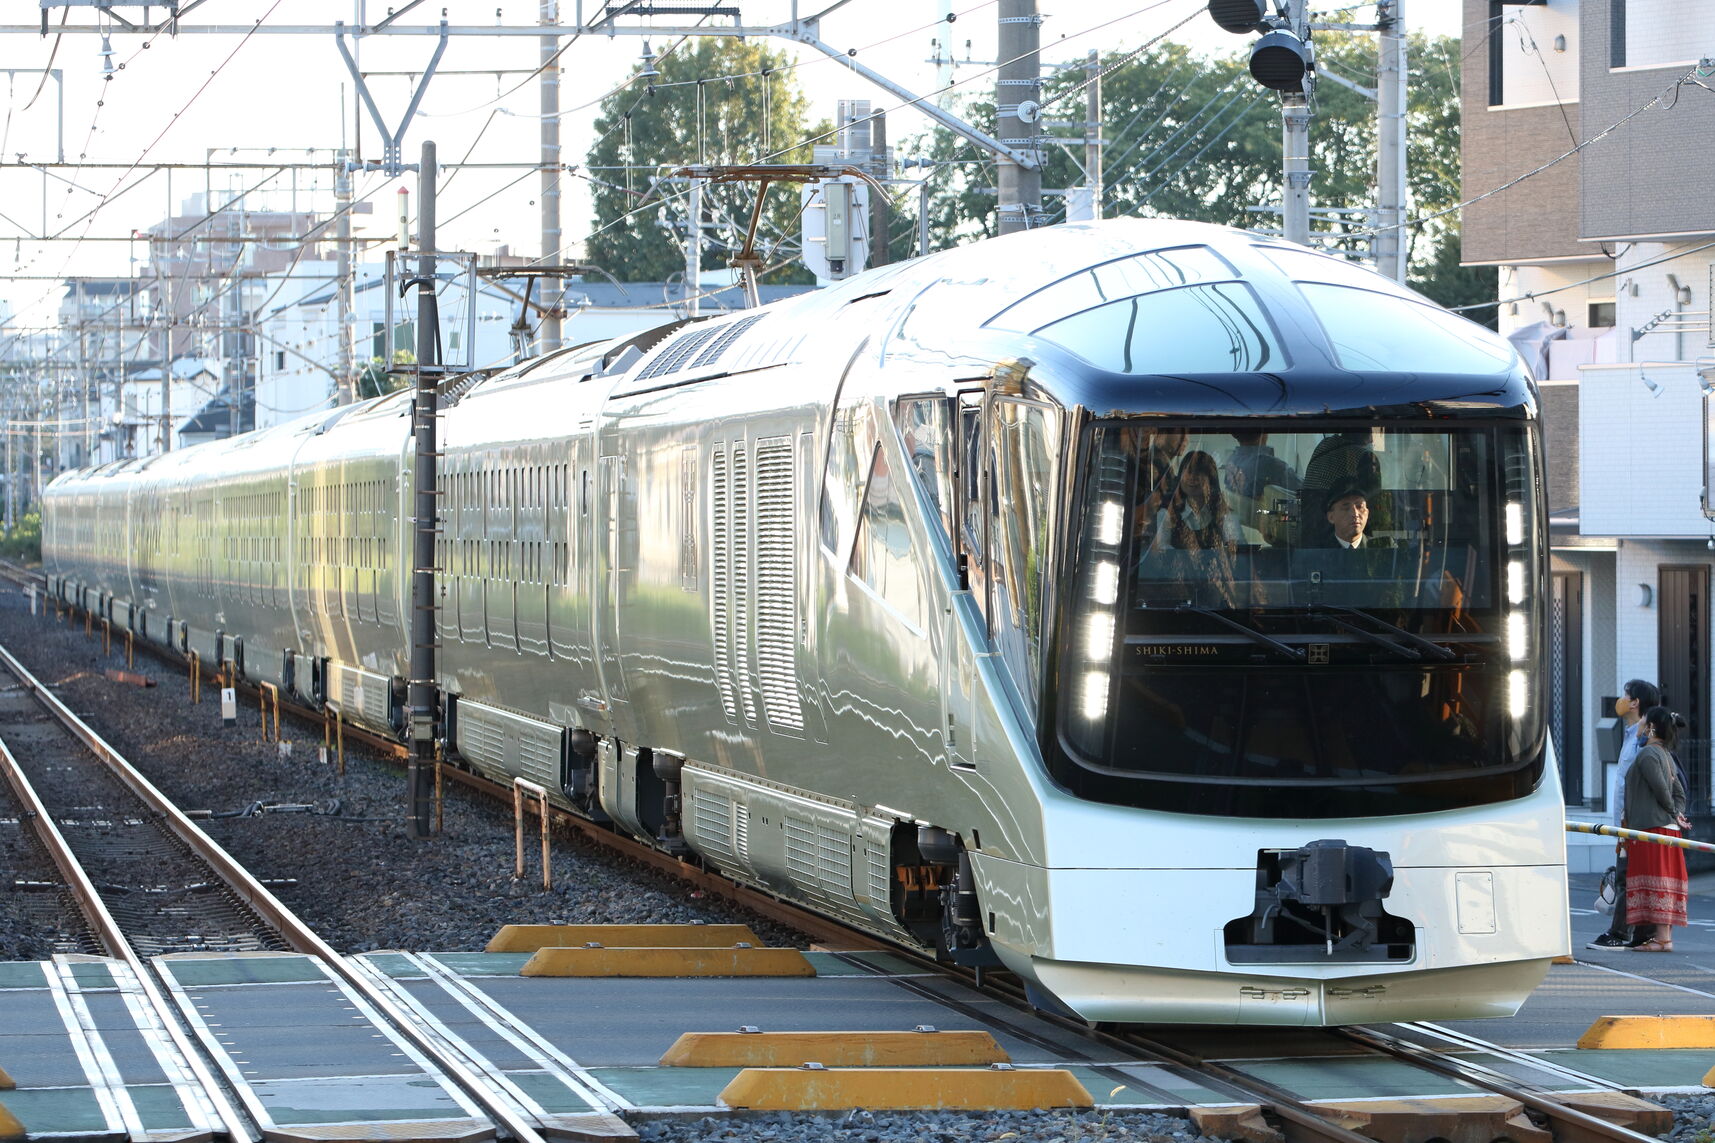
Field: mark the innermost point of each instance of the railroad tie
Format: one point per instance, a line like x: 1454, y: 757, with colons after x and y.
x: 1456, y: 1119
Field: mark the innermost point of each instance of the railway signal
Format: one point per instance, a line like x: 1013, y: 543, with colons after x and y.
x: 1282, y: 58
x: 1282, y: 61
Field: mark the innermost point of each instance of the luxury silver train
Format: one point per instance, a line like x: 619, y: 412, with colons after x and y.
x: 1007, y: 601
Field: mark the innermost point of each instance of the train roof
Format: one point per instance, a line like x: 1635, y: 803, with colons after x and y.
x: 1160, y: 316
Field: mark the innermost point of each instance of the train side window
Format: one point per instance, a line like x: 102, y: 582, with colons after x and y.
x: 882, y: 553
x: 925, y: 432
x: 968, y: 543
x: 1024, y: 445
x: 851, y: 444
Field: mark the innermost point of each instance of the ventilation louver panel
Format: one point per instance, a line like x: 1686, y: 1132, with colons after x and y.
x: 777, y: 584
x: 678, y: 352
x: 714, y: 823
x: 739, y: 554
x: 697, y: 348
x: 720, y: 581
x: 723, y: 340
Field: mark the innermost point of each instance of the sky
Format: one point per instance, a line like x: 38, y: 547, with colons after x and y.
x: 260, y: 98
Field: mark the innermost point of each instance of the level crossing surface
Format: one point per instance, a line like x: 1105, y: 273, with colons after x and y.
x: 310, y: 1059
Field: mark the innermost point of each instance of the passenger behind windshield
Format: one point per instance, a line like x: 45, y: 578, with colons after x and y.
x: 1225, y: 520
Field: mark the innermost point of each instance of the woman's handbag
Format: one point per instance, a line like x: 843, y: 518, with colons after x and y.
x: 1605, y: 896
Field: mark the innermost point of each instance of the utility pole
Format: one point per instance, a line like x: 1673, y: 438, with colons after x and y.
x: 1093, y: 132
x: 1018, y: 107
x: 880, y: 252
x: 693, y: 250
x: 425, y: 512
x: 1295, y: 144
x: 344, y: 391
x: 83, y: 365
x: 551, y: 252
x: 167, y: 362
x: 1390, y: 139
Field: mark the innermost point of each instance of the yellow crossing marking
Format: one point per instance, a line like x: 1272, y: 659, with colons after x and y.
x: 667, y: 962
x: 833, y: 1049
x: 903, y: 1089
x: 529, y: 938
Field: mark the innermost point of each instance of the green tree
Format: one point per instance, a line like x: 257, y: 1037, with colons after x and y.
x: 716, y: 101
x: 375, y: 381
x: 1195, y: 137
x: 23, y: 541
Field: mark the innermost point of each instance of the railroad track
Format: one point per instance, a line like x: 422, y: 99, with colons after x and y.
x: 1300, y: 1119
x: 229, y: 900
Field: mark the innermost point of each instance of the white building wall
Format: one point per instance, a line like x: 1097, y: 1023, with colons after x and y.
x: 1644, y: 293
x: 1640, y: 446
x: 1533, y: 72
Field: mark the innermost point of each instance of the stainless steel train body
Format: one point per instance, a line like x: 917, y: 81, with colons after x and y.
x: 890, y: 599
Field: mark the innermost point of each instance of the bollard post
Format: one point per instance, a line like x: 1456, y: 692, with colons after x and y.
x: 196, y: 678
x: 130, y: 650
x: 438, y: 802
x: 521, y: 786
x: 106, y: 636
x: 339, y: 738
x: 265, y: 692
x: 88, y: 624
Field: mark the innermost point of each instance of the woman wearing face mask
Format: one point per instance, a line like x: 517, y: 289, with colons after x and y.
x: 1655, y: 802
x: 1195, y: 535
x: 1638, y: 697
x: 1195, y: 517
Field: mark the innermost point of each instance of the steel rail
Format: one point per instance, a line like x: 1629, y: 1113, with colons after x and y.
x: 1475, y: 1043
x: 106, y: 928
x: 297, y: 934
x: 1583, y: 1125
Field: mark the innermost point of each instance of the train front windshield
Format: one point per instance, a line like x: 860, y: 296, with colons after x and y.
x: 1303, y: 624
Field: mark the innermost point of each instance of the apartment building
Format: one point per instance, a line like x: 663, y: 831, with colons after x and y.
x: 1586, y: 167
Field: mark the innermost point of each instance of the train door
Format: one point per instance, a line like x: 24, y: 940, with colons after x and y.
x: 473, y: 563
x: 929, y: 432
x: 617, y: 528
x: 1022, y: 470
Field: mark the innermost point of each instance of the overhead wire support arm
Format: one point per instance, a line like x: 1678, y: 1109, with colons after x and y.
x: 806, y: 32
x: 391, y: 159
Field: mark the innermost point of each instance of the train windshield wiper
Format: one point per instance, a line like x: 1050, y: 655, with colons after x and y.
x: 1293, y: 654
x: 1416, y: 645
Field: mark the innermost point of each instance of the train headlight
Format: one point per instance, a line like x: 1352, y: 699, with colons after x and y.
x: 1515, y: 581
x: 1105, y: 583
x: 1515, y: 524
x: 1099, y: 636
x: 1095, y: 698
x: 1518, y: 644
x: 1109, y: 520
x: 1518, y: 694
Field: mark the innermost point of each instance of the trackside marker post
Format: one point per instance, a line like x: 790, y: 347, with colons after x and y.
x: 228, y: 706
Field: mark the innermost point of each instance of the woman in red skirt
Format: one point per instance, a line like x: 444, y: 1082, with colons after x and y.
x: 1655, y: 802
